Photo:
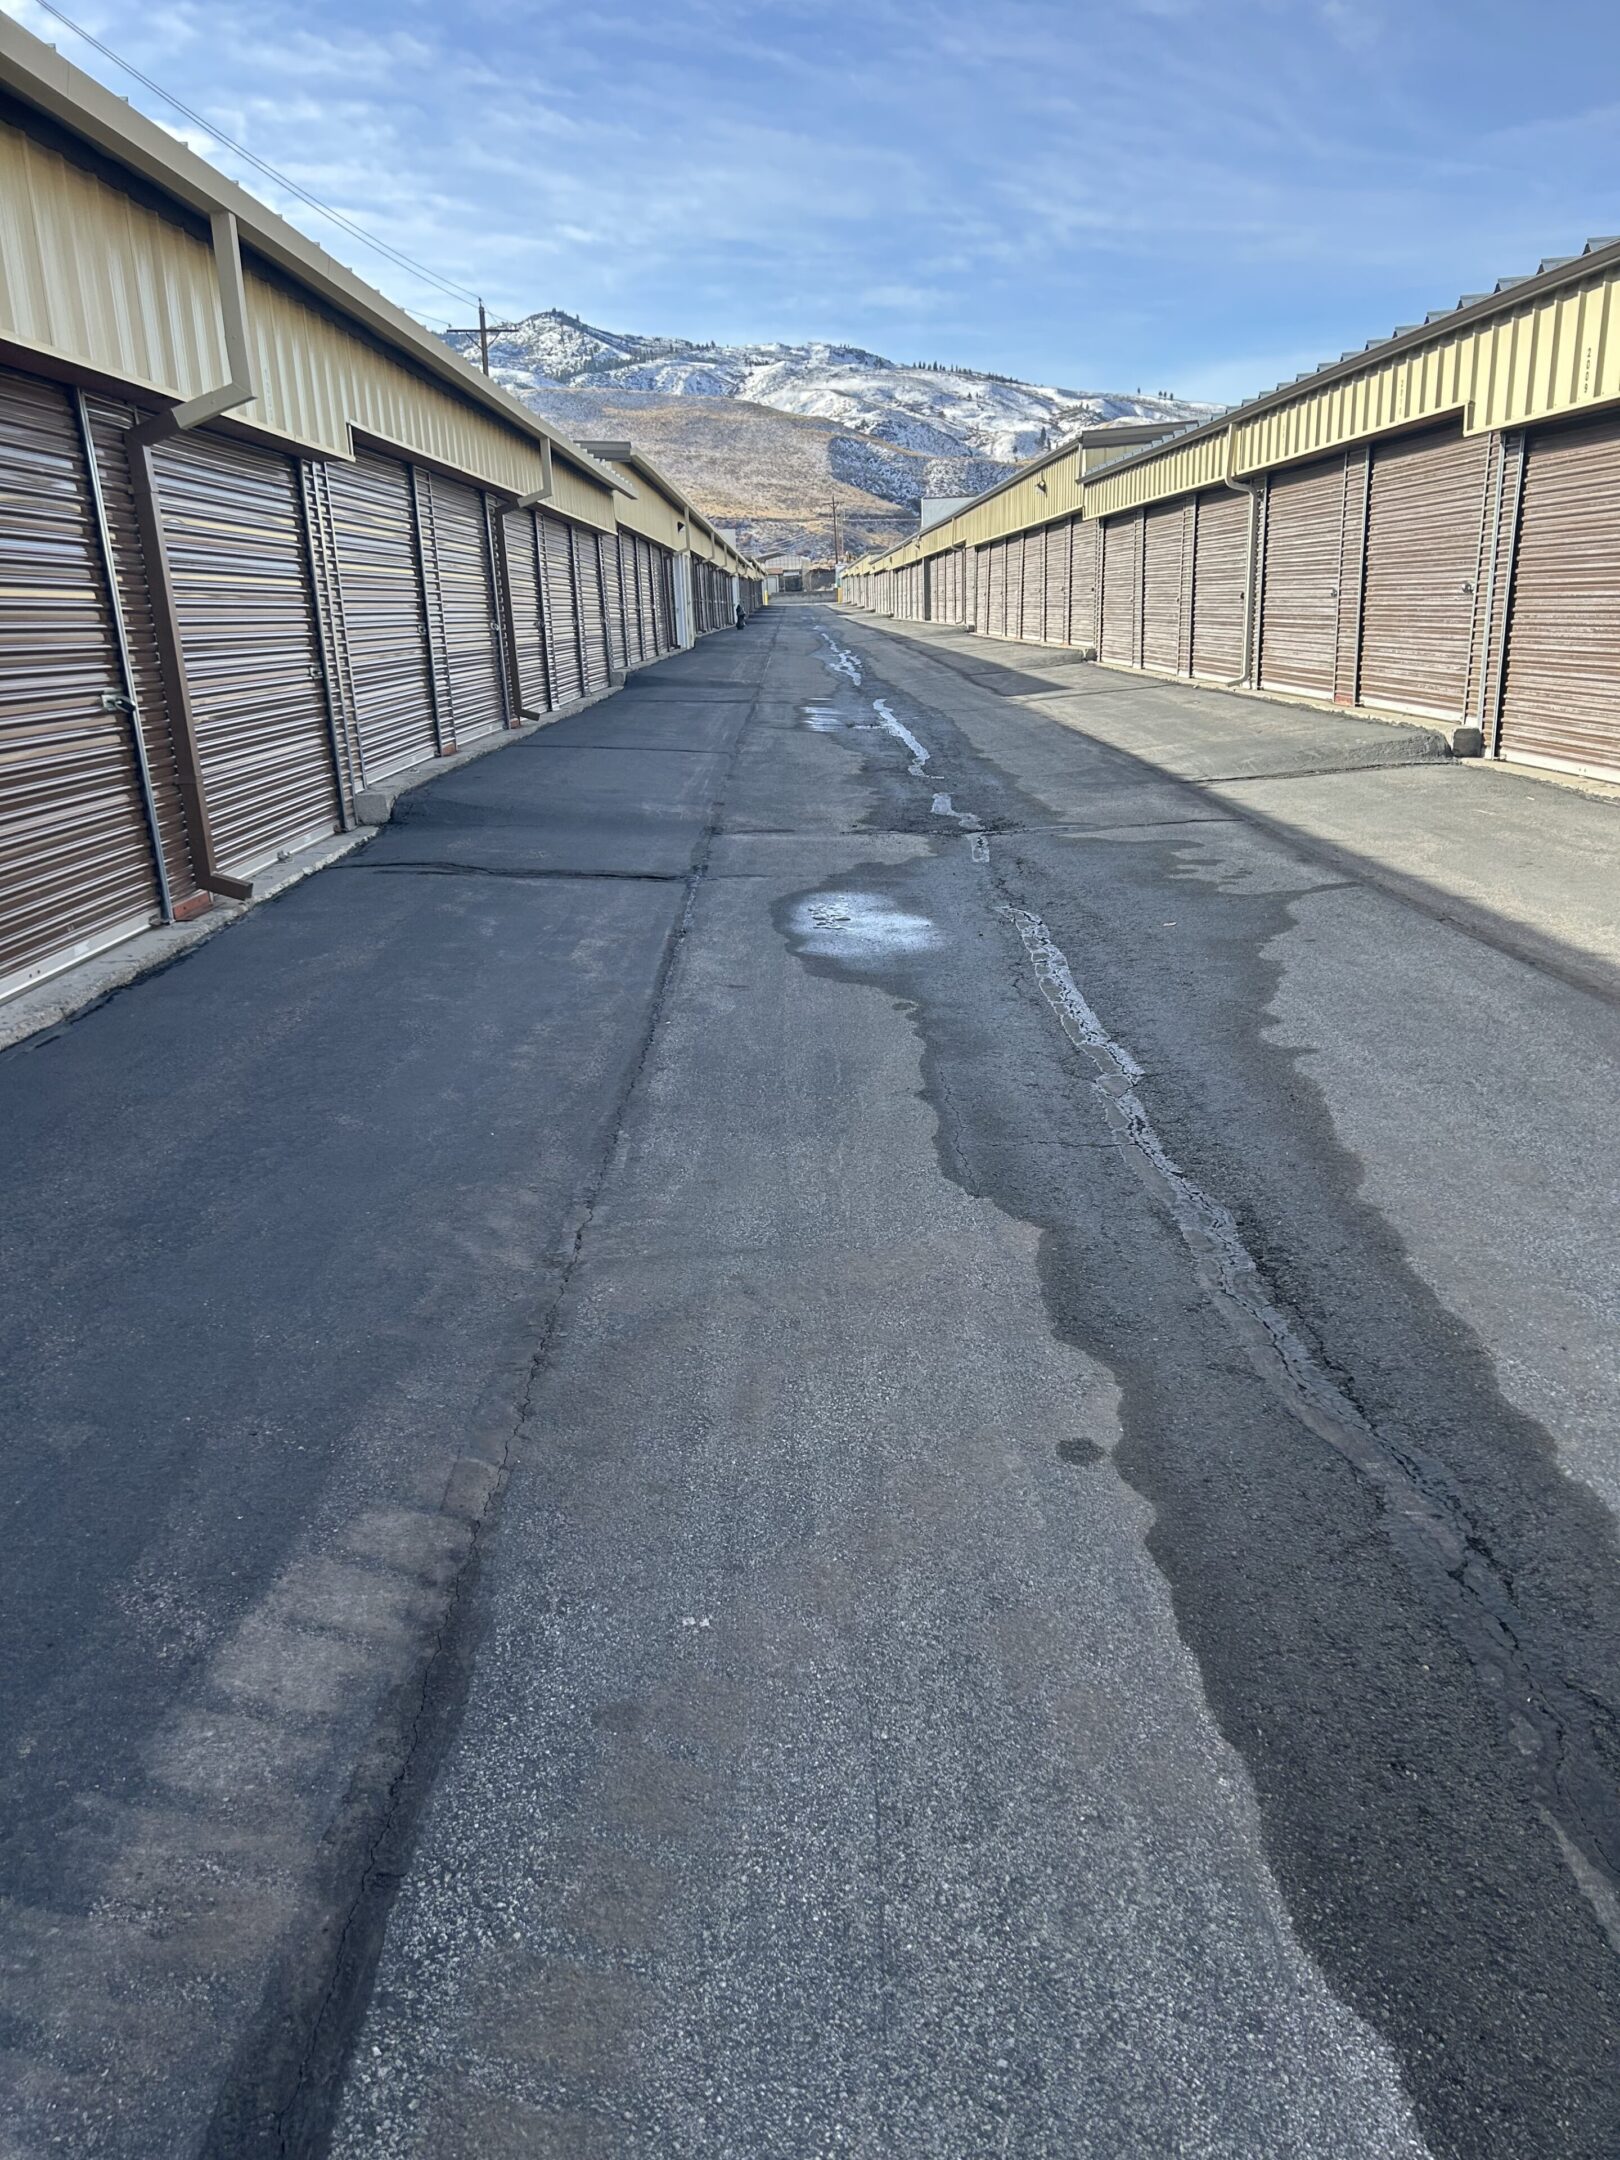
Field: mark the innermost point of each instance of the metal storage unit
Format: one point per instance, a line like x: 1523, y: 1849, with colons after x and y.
x: 592, y: 616
x: 1220, y: 585
x: 613, y: 603
x: 77, y: 863
x: 461, y: 583
x: 996, y: 615
x: 1083, y: 570
x: 1059, y: 565
x: 658, y: 560
x: 1425, y: 531
x: 1561, y: 697
x: 1033, y: 627
x: 380, y: 606
x: 562, y: 612
x: 635, y: 647
x: 1164, y: 538
x: 1121, y: 576
x: 521, y: 548
x: 234, y: 538
x: 1299, y: 594
x: 1012, y: 554
x: 109, y: 422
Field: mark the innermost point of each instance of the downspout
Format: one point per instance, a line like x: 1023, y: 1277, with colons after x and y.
x: 239, y: 389
x: 1251, y: 593
x: 544, y: 491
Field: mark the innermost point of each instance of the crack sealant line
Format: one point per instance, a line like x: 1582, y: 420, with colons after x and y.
x: 1424, y: 1508
x: 319, y: 2073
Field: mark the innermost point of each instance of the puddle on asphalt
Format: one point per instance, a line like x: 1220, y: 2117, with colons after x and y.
x: 857, y: 926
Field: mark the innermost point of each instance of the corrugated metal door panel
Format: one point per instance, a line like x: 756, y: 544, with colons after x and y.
x: 472, y: 630
x: 1299, y: 612
x: 593, y: 625
x: 334, y: 645
x: 1561, y: 699
x: 613, y: 602
x: 1424, y: 525
x: 428, y: 555
x: 108, y: 423
x: 528, y: 624
x: 568, y: 677
x: 1121, y: 538
x: 380, y: 597
x: 996, y: 619
x: 1013, y: 559
x: 76, y: 867
x: 1059, y: 553
x: 644, y: 597
x: 1219, y: 589
x: 1352, y: 572
x: 1083, y: 583
x: 658, y: 575
x: 1163, y: 533
x: 630, y: 601
x: 234, y: 536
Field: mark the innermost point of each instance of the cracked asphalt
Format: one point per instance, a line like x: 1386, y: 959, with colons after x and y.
x: 866, y: 1406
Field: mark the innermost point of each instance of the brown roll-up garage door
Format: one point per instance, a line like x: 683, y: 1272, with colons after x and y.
x: 384, y: 625
x: 635, y: 641
x: 592, y: 618
x: 522, y: 550
x: 1424, y: 529
x: 76, y: 862
x: 1561, y: 699
x: 658, y: 572
x: 458, y: 562
x: 1059, y: 557
x: 996, y: 620
x: 1083, y: 582
x: 1012, y: 557
x: 1299, y: 598
x: 613, y: 603
x: 568, y: 675
x: 1164, y: 532
x: 1220, y: 586
x: 234, y: 537
x: 1121, y: 540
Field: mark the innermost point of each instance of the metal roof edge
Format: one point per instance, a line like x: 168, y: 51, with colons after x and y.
x: 37, y: 73
x: 1596, y: 257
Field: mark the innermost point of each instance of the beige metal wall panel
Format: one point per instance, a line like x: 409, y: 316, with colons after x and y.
x: 100, y: 281
x: 91, y: 276
x: 1083, y: 587
x: 651, y: 514
x: 1179, y: 471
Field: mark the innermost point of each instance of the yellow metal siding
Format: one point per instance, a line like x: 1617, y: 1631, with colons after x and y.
x: 650, y: 514
x: 1182, y: 470
x: 92, y: 277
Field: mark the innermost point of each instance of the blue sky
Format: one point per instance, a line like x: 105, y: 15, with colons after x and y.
x: 1162, y: 194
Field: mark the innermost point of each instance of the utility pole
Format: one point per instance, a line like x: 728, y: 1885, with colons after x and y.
x: 484, y: 332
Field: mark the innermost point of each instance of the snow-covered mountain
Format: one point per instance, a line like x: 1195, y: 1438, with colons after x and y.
x: 938, y: 412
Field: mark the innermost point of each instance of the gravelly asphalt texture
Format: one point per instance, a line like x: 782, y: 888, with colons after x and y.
x: 649, y: 1515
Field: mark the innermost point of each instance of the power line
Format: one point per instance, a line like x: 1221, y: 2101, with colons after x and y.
x: 406, y: 262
